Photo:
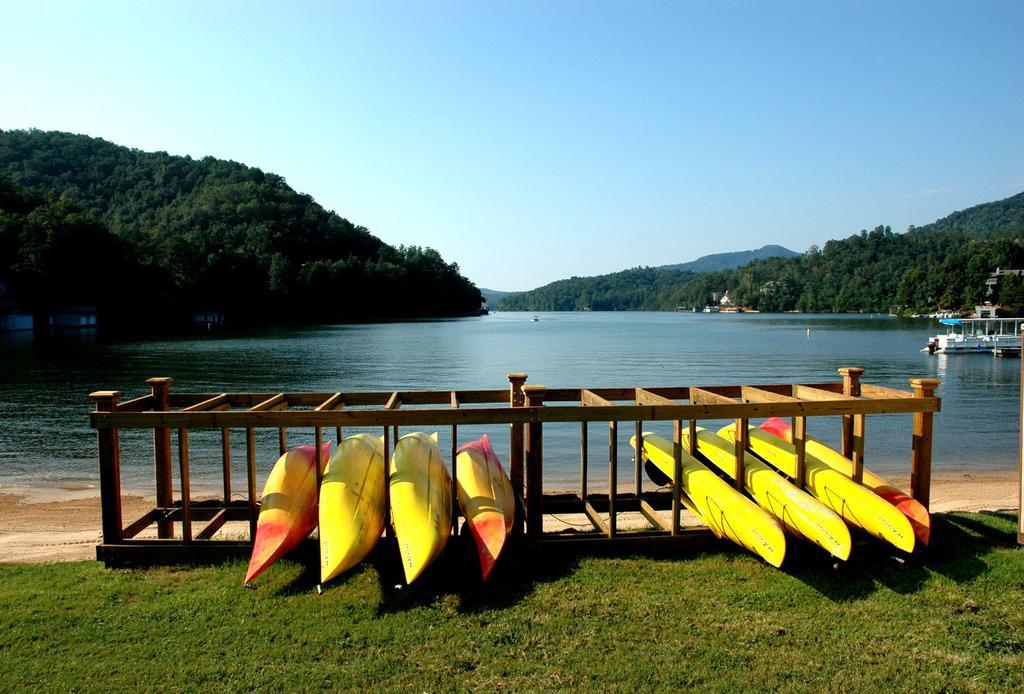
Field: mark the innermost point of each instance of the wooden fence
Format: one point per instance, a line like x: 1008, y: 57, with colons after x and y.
x: 525, y: 409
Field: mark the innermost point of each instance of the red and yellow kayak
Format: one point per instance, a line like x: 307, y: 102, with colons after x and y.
x: 486, y: 499
x: 914, y: 510
x: 288, y: 509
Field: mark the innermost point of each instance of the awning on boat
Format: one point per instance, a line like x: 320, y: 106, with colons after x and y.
x: 951, y: 321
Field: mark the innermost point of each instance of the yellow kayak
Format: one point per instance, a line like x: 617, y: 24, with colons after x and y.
x: 727, y: 512
x: 486, y: 499
x: 351, y: 504
x: 914, y: 510
x: 798, y: 511
x: 421, y: 501
x: 287, y: 507
x: 857, y: 504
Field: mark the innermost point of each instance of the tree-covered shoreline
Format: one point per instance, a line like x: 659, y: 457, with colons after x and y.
x: 943, y: 265
x: 147, y: 236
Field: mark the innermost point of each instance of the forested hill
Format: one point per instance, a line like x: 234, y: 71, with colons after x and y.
x: 203, y: 233
x: 941, y: 265
x: 980, y: 220
x: 637, y: 289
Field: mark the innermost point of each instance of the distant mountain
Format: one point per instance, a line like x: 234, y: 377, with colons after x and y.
x: 728, y: 261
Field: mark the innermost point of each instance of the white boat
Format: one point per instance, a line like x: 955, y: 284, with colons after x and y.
x: 976, y: 335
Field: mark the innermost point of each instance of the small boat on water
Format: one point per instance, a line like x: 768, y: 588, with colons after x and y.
x: 976, y: 335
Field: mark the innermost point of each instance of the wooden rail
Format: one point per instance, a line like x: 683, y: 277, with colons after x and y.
x: 525, y: 409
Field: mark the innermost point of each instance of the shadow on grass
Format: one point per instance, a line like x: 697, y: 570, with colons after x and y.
x: 457, y: 573
x: 959, y: 544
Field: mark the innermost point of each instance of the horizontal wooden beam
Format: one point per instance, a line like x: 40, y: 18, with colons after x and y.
x: 589, y: 398
x: 647, y: 397
x: 211, y: 403
x: 506, y: 415
x: 704, y: 396
x: 818, y: 395
x: 331, y: 403
x: 270, y: 403
x: 139, y: 404
x: 881, y: 392
x: 754, y: 394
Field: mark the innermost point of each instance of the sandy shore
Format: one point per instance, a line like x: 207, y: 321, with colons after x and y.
x: 47, y: 525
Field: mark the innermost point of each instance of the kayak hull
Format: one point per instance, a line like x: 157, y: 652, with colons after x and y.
x: 421, y: 502
x: 723, y: 509
x: 855, y: 503
x: 288, y: 508
x: 351, y: 504
x: 916, y: 513
x: 486, y: 499
x: 799, y: 512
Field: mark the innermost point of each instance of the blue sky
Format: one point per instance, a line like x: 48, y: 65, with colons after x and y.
x: 534, y: 141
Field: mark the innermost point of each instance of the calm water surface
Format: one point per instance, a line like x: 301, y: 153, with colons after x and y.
x: 45, y: 437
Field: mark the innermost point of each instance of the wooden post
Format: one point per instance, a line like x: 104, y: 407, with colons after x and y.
x: 455, y: 468
x: 389, y: 528
x: 225, y: 457
x: 613, y: 474
x: 921, y: 455
x: 584, y: 455
x: 250, y: 476
x: 851, y: 386
x: 534, y: 464
x: 800, y: 447
x: 740, y: 451
x: 318, y: 462
x: 638, y: 468
x: 677, y: 472
x: 160, y: 389
x: 186, y: 493
x: 857, y: 451
x: 110, y: 470
x: 515, y: 452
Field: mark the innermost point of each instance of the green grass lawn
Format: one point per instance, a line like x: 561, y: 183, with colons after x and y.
x: 951, y: 620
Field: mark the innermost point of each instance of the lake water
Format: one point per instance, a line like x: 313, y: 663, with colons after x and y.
x: 45, y: 438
